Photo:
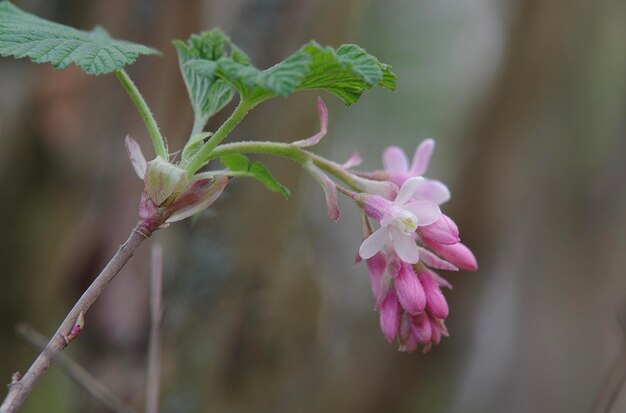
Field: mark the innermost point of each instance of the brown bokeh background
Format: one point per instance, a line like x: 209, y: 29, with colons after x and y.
x: 265, y: 310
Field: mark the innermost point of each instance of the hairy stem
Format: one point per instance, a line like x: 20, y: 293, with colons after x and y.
x: 153, y: 129
x: 289, y: 151
x: 76, y: 372
x: 156, y: 318
x: 19, y: 390
x: 204, y: 154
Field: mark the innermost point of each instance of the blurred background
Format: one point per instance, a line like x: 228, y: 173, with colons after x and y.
x: 265, y: 311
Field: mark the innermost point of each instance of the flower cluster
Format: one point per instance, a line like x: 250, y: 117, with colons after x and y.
x: 414, y: 238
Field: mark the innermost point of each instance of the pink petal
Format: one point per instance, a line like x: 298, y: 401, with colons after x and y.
x: 422, y: 328
x: 329, y: 188
x: 354, y: 160
x: 433, y: 261
x: 433, y: 190
x: 408, y: 340
x: 375, y: 206
x: 200, y: 195
x: 408, y: 189
x: 421, y: 158
x: 395, y: 160
x: 323, y: 113
x: 405, y: 246
x: 136, y: 157
x: 443, y: 231
x: 390, y: 314
x: 457, y: 254
x: 409, y: 290
x: 376, y: 266
x: 441, y: 282
x: 427, y: 212
x: 374, y: 243
x: 435, y: 301
x: 436, y: 329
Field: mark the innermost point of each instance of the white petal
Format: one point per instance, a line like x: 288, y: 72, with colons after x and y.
x: 374, y: 243
x: 405, y: 246
x: 427, y: 212
x: 408, y: 189
x: 395, y: 160
x: 434, y: 191
x: 421, y: 159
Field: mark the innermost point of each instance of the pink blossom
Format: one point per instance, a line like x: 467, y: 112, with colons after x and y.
x: 410, y: 291
x: 458, y: 254
x: 443, y: 231
x: 398, y: 221
x: 435, y: 301
x: 390, y: 313
x: 397, y: 166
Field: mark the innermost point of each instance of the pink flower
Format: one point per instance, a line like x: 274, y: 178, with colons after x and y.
x: 457, y: 254
x: 397, y: 166
x: 398, y: 221
x: 390, y: 313
x: 443, y: 231
x: 410, y: 291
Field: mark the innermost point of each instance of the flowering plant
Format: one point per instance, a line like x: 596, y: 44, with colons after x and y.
x: 413, y: 237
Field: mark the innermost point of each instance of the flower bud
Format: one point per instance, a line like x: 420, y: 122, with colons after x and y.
x: 164, y: 180
x: 422, y: 328
x: 443, y: 231
x: 435, y: 301
x: 390, y: 313
x: 457, y: 254
x: 409, y: 289
x: 406, y: 336
x: 376, y: 266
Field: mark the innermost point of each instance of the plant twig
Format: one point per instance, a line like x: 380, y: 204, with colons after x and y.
x: 72, y: 325
x: 156, y: 318
x: 76, y: 372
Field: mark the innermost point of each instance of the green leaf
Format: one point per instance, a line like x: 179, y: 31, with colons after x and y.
x: 240, y: 166
x: 236, y: 162
x: 96, y: 52
x: 347, y: 73
x: 208, y: 93
x: 263, y: 175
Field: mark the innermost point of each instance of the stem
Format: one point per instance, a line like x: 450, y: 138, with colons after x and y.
x: 289, y: 151
x: 76, y: 372
x: 204, y: 154
x: 18, y: 391
x: 153, y: 129
x: 156, y: 318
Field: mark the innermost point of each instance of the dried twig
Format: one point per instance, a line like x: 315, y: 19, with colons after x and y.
x: 72, y: 325
x: 76, y: 372
x: 156, y: 317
